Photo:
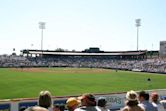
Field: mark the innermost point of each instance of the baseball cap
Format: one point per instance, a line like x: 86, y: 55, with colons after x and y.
x: 72, y: 101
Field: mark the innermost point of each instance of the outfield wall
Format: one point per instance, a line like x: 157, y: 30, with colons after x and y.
x: 115, y: 101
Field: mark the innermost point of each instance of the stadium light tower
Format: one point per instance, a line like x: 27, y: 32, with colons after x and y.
x: 42, y: 26
x: 138, y: 24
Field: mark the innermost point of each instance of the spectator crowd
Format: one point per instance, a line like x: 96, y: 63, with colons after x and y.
x: 146, y: 65
x: 134, y: 101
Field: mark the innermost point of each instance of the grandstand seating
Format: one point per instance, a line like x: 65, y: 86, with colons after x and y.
x: 147, y: 65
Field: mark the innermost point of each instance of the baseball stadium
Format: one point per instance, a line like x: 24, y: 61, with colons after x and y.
x: 72, y: 73
x: 83, y: 55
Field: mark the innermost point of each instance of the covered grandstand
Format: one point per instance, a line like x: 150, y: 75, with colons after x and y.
x: 147, y: 61
x: 102, y: 54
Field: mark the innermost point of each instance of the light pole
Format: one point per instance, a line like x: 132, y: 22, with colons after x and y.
x: 137, y: 25
x: 42, y: 26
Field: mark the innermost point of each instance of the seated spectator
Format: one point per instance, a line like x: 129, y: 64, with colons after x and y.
x: 155, y: 101
x: 132, y: 102
x: 101, y: 104
x: 144, y: 102
x: 88, y: 103
x: 72, y: 103
x: 45, y: 100
x: 36, y: 108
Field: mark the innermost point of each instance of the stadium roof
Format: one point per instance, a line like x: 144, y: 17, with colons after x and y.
x: 118, y: 53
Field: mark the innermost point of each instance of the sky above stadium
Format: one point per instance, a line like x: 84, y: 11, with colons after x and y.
x: 80, y: 24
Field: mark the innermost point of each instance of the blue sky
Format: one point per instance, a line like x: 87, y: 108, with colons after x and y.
x: 80, y: 24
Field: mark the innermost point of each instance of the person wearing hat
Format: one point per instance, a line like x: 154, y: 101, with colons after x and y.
x: 88, y: 103
x: 132, y: 102
x: 72, y: 103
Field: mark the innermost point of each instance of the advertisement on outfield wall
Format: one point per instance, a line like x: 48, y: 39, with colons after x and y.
x: 115, y: 101
x: 5, y: 107
x: 26, y: 104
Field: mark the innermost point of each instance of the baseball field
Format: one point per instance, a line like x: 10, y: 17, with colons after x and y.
x: 28, y: 82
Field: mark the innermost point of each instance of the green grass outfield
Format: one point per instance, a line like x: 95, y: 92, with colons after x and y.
x: 24, y: 83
